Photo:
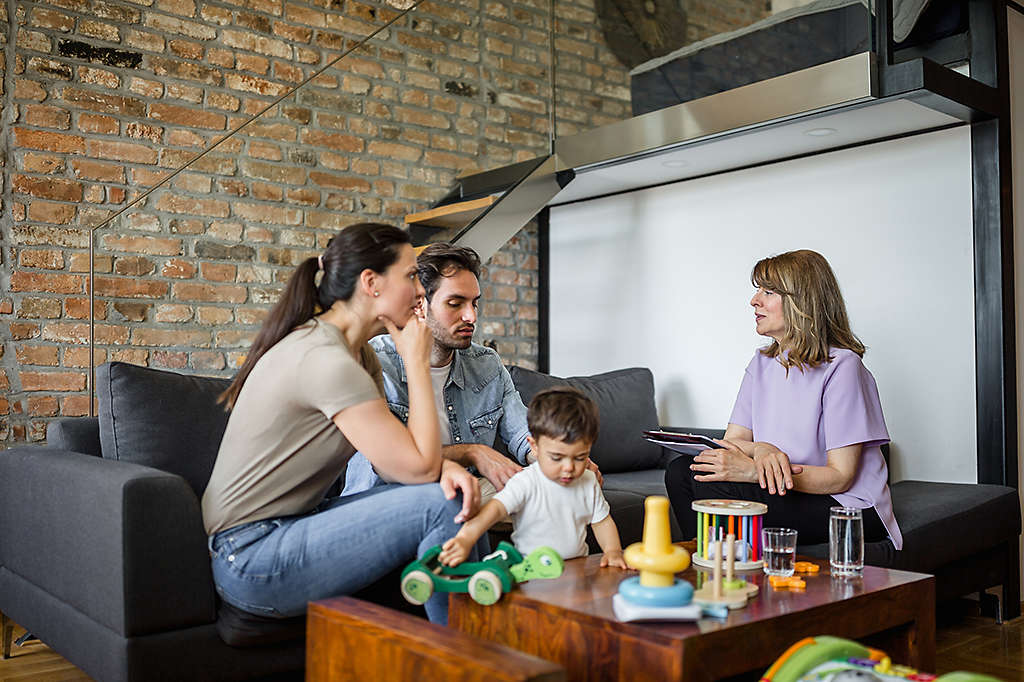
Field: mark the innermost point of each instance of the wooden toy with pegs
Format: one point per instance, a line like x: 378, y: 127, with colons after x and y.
x: 718, y: 518
x: 656, y: 594
x: 730, y: 592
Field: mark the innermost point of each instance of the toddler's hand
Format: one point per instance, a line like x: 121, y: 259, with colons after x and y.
x: 453, y: 552
x: 613, y: 558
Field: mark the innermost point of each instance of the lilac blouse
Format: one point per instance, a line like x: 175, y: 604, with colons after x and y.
x: 810, y: 412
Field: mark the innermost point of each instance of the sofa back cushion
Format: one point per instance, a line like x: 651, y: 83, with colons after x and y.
x: 161, y: 419
x: 625, y: 400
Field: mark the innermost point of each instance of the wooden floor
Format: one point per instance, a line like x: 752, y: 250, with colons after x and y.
x: 964, y: 641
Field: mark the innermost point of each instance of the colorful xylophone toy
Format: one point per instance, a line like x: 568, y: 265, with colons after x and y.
x: 716, y: 519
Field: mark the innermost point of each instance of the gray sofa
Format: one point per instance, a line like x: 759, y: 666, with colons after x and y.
x: 103, y: 554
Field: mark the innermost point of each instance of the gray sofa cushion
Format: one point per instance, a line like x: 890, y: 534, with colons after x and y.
x: 75, y: 434
x: 160, y: 419
x: 625, y: 399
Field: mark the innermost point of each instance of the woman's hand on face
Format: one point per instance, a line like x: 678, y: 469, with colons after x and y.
x: 774, y: 470
x: 413, y: 341
x: 725, y: 464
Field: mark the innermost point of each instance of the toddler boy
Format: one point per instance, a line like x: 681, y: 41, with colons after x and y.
x: 553, y: 500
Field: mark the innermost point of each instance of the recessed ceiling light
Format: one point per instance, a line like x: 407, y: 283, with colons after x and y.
x: 675, y: 163
x: 819, y: 132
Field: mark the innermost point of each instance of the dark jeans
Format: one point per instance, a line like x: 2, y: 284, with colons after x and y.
x: 806, y: 512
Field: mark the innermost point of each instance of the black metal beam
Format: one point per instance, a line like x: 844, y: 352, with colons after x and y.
x: 544, y: 291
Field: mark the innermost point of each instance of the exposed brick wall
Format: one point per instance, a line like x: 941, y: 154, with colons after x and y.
x: 104, y: 98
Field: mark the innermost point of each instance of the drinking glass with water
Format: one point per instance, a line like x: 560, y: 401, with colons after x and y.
x: 846, y: 541
x: 779, y: 548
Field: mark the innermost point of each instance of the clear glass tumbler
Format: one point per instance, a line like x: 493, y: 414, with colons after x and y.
x: 779, y: 548
x: 846, y: 541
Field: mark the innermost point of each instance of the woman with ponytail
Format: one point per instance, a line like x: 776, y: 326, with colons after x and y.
x: 306, y: 398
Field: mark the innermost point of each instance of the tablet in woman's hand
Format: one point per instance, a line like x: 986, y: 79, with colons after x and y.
x: 686, y: 443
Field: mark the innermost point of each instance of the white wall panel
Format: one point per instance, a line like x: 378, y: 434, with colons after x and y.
x: 661, y: 278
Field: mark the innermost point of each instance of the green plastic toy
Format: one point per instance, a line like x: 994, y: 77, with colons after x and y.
x: 485, y: 581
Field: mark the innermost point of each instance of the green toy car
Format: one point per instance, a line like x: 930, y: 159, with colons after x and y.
x: 485, y: 581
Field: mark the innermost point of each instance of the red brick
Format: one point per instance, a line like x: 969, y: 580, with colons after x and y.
x: 392, y: 150
x: 42, y: 18
x: 168, y: 24
x: 223, y: 293
x: 206, y: 207
x: 103, y: 103
x: 133, y: 312
x: 179, y: 269
x: 50, y: 212
x: 133, y: 356
x: 48, y: 259
x: 100, y: 77
x: 5, y: 384
x: 141, y: 131
x: 206, y: 360
x: 262, y: 213
x: 23, y: 330
x: 42, y: 406
x: 41, y: 281
x: 343, y: 182
x: 247, y: 83
x: 336, y: 141
x: 77, y: 406
x: 36, y: 355
x: 186, y: 49
x: 6, y: 308
x: 121, y: 151
x: 96, y: 170
x: 78, y: 308
x: 5, y: 407
x: 52, y: 381
x: 169, y: 359
x: 231, y: 338
x: 218, y: 272
x: 156, y: 246
x: 30, y: 90
x: 98, y: 123
x: 134, y: 266
x: 78, y: 333
x: 130, y: 288
x: 48, y: 188
x: 254, y: 63
x: 173, y: 312
x: 79, y: 262
x: 212, y: 315
x: 42, y: 163
x: 194, y: 118
x: 170, y: 337
x: 32, y: 306
x: 45, y: 235
x: 45, y: 116
x: 266, y: 192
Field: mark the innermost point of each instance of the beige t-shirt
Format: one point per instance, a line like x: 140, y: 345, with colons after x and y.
x: 281, y: 451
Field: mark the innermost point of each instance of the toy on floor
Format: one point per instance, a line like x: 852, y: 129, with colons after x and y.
x: 718, y: 518
x: 731, y: 592
x: 485, y: 581
x: 833, y: 659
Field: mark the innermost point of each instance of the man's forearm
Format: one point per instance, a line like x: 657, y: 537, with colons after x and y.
x: 464, y: 454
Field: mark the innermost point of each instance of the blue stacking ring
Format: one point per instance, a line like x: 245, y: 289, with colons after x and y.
x: 680, y: 593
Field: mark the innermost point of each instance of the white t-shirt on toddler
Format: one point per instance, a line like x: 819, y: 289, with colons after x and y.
x: 544, y: 512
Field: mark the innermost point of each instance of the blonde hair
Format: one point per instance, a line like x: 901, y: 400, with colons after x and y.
x: 812, y: 307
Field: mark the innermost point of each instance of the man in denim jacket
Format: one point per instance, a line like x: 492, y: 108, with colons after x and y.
x: 474, y: 394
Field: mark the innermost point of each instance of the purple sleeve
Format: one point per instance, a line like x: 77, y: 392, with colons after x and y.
x: 851, y: 412
x: 742, y: 411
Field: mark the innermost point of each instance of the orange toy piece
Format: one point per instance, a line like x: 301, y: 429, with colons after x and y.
x: 781, y: 582
x: 807, y: 567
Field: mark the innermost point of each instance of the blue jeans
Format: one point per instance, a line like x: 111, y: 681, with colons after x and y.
x: 274, y: 567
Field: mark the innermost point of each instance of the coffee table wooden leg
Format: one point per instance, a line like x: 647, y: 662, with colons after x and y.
x: 911, y: 644
x: 6, y: 634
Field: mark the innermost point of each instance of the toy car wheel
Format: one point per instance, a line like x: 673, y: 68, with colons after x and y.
x: 417, y: 587
x: 484, y: 588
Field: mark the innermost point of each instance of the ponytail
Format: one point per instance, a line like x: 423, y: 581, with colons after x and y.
x: 373, y: 246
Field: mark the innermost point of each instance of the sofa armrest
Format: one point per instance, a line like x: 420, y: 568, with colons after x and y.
x: 122, y: 543
x: 77, y: 434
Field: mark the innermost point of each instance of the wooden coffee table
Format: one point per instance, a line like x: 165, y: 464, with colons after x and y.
x: 570, y: 621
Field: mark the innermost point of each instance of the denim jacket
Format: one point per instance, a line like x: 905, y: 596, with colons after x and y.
x: 481, y: 401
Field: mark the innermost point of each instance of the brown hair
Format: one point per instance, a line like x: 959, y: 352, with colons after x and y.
x: 358, y: 247
x: 444, y: 260
x: 563, y: 413
x: 812, y: 306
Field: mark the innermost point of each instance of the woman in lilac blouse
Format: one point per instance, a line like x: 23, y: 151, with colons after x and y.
x: 807, y: 426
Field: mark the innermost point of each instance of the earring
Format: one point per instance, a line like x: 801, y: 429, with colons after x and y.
x: 376, y: 293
